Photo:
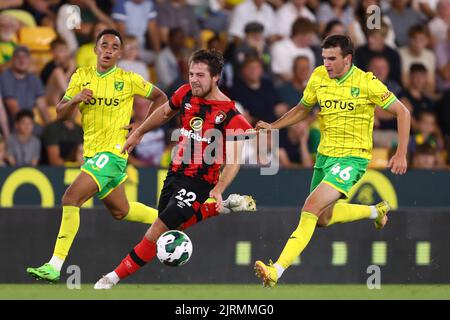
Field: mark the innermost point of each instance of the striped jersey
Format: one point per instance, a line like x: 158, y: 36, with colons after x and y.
x: 201, y: 122
x: 110, y: 108
x: 347, y: 107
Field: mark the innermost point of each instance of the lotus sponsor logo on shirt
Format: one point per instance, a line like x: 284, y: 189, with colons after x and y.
x: 196, y: 123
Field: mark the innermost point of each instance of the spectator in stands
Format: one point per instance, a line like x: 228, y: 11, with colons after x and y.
x: 22, y: 90
x: 427, y: 132
x: 139, y: 18
x: 427, y: 7
x: 86, y: 56
x: 252, y: 45
x: 403, y: 17
x: 376, y: 45
x: 364, y: 22
x: 149, y: 151
x: 442, y: 52
x: 334, y: 27
x: 217, y: 16
x: 417, y: 52
x: 23, y: 147
x: 285, y: 51
x: 75, y: 34
x: 4, y: 125
x: 129, y: 61
x: 425, y: 157
x: 439, y: 25
x: 253, y: 11
x: 255, y: 93
x: 416, y: 98
x: 172, y: 60
x: 385, y: 124
x: 57, y: 72
x: 294, y: 152
x: 292, y: 91
x: 61, y: 141
x: 335, y: 9
x: 8, y: 29
x: 3, y: 159
x: 176, y: 13
x: 43, y: 11
x: 443, y: 112
x: 286, y: 15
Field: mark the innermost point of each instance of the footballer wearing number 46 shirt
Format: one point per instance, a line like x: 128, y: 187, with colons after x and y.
x: 210, y: 125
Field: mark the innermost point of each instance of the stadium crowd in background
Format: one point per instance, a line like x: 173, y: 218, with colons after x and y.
x: 270, y: 46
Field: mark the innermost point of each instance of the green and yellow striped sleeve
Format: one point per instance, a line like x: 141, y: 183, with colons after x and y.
x: 140, y: 86
x: 380, y: 94
x: 74, y: 86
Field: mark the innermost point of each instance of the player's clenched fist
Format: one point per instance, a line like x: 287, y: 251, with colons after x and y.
x: 84, y: 96
x: 263, y: 125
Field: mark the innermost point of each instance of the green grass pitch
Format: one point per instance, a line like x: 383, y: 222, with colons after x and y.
x: 226, y: 291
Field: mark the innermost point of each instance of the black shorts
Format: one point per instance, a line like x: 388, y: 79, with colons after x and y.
x: 178, y: 195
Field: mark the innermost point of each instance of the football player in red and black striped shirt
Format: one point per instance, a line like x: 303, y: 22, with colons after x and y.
x: 210, y: 124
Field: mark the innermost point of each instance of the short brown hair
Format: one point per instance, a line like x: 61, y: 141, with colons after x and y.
x: 212, y: 58
x: 302, y: 26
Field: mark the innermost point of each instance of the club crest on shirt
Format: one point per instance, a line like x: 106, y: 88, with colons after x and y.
x: 118, y: 85
x: 196, y: 123
x: 354, y: 92
x: 220, y: 117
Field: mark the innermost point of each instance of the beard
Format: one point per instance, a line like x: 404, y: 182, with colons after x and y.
x: 201, y: 92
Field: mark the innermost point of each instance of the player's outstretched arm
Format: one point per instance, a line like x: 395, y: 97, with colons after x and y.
x: 296, y: 114
x: 159, y: 117
x: 65, y: 108
x: 398, y: 163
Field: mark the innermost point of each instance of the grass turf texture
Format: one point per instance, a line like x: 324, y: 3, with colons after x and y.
x: 217, y: 291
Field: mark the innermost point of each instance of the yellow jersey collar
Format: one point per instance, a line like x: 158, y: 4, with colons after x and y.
x: 346, y: 75
x: 106, y: 73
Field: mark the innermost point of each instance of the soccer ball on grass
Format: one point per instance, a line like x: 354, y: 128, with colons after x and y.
x: 173, y: 248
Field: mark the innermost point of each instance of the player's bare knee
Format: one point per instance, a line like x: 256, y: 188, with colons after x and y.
x: 70, y: 199
x: 118, y: 213
x: 323, y: 221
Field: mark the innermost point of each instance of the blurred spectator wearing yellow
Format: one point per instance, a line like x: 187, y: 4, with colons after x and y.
x: 86, y: 56
x: 23, y: 148
x: 22, y: 90
x: 57, y: 72
x: 8, y: 30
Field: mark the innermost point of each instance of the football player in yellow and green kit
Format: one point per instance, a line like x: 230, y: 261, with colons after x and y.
x: 347, y: 97
x: 104, y: 95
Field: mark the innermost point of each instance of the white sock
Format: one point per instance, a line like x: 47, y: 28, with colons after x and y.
x: 56, y: 262
x: 374, y: 213
x: 113, y: 277
x: 280, y: 270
